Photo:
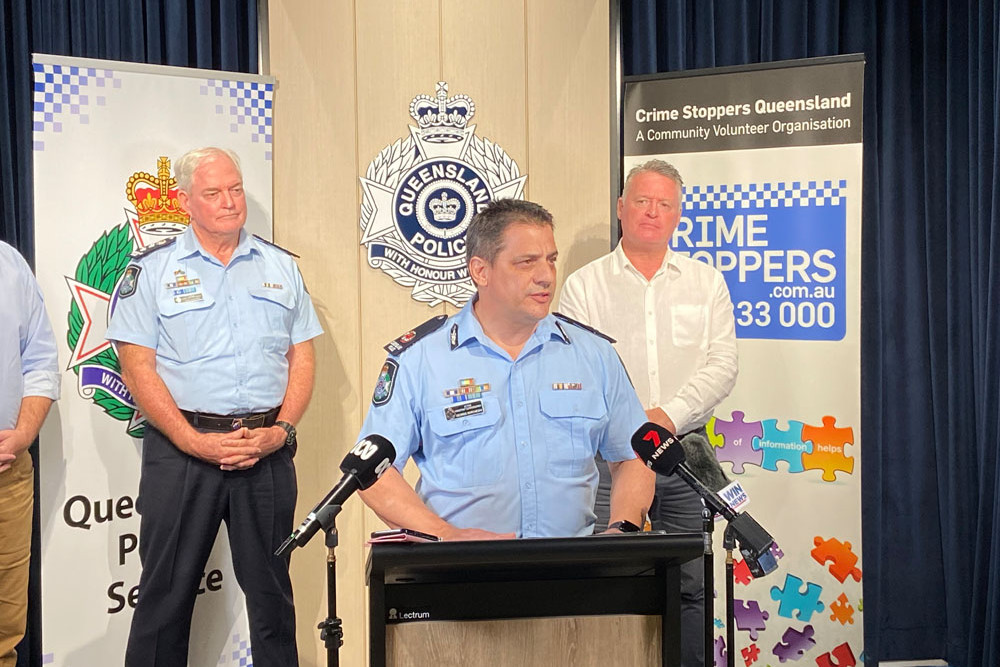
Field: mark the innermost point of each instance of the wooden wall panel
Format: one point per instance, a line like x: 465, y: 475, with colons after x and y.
x: 568, y: 120
x: 347, y: 71
x: 315, y: 212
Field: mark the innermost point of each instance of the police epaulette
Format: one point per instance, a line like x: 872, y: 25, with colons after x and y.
x: 142, y: 252
x: 585, y: 327
x: 412, y: 336
x: 275, y: 245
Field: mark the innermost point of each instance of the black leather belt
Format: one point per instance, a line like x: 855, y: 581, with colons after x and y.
x: 226, y: 423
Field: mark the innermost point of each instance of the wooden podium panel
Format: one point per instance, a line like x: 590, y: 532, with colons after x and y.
x: 583, y: 641
x: 469, y: 603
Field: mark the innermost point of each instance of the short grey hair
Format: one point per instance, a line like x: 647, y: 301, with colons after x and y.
x: 657, y: 167
x: 186, y: 164
x: 484, y: 237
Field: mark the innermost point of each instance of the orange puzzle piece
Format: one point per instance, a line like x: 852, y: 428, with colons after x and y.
x: 829, y: 445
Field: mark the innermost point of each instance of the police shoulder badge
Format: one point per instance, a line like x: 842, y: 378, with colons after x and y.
x: 386, y: 382
x: 129, y: 281
x: 275, y: 245
x: 163, y: 243
x: 583, y: 326
x: 413, y: 335
x: 420, y: 193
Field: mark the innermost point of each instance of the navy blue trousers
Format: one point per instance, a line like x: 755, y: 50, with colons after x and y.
x: 182, y: 502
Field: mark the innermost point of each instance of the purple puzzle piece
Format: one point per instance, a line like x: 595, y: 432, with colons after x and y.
x: 739, y: 436
x: 778, y: 445
x: 720, y: 652
x: 792, y: 600
x: 749, y: 617
x: 794, y: 643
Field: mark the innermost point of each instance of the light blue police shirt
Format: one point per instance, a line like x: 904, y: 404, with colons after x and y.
x: 220, y: 332
x: 29, y: 363
x: 502, y: 445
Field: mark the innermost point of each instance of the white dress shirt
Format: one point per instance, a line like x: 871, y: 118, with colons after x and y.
x: 675, y: 333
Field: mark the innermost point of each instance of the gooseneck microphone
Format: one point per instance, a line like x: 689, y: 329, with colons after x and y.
x: 362, y: 467
x: 664, y: 454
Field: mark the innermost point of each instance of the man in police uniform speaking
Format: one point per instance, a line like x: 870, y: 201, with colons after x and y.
x: 503, y: 406
x: 214, y: 331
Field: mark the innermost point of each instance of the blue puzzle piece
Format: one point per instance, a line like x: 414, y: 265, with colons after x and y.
x: 777, y: 445
x: 793, y: 600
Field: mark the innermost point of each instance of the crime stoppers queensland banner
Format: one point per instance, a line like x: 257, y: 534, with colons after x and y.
x: 771, y: 161
x: 105, y: 137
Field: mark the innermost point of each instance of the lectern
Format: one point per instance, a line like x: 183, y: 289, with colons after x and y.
x: 633, y: 574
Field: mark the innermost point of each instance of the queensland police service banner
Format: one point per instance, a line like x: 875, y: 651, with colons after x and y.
x: 105, y: 138
x: 771, y: 161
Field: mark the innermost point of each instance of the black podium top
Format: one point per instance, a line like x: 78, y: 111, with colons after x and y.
x: 625, y: 555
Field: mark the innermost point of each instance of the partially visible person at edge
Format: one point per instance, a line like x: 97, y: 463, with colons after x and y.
x: 673, y: 320
x: 503, y: 406
x: 214, y: 332
x: 29, y: 383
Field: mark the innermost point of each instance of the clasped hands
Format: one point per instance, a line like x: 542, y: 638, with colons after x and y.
x: 240, y: 449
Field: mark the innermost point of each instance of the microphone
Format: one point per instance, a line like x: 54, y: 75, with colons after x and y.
x: 700, y: 457
x: 664, y: 454
x: 362, y: 467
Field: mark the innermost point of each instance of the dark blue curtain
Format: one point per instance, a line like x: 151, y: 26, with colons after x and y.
x: 209, y: 34
x: 930, y: 291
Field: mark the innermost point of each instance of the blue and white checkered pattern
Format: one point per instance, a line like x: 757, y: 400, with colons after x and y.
x: 765, y: 195
x: 249, y: 104
x: 63, y: 91
x: 240, y: 654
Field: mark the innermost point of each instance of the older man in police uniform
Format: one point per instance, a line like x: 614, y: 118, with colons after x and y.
x: 503, y: 406
x: 214, y: 331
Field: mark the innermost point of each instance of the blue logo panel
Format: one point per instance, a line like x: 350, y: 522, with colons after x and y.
x: 781, y: 247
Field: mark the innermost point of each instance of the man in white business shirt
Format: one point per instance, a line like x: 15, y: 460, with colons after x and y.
x: 673, y: 321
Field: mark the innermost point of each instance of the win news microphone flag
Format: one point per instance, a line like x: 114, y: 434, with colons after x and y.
x: 362, y: 467
x: 664, y: 454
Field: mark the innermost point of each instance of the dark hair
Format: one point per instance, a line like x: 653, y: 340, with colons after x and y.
x: 484, y: 237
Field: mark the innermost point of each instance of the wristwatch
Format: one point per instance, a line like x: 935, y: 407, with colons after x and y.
x: 289, y: 430
x: 625, y: 526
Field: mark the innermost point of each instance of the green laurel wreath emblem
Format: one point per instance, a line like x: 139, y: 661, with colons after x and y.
x: 101, y: 268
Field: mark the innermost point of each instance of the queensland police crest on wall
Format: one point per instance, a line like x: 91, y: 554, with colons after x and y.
x: 419, y: 194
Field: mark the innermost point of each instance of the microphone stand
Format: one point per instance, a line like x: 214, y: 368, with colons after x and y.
x: 331, y: 630
x: 708, y: 525
x: 729, y: 543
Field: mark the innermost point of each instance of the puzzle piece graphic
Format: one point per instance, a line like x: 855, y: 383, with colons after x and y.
x: 750, y: 654
x: 842, y: 610
x: 794, y: 643
x: 776, y: 551
x: 778, y: 445
x: 739, y: 438
x: 749, y: 617
x: 718, y: 623
x: 861, y: 605
x: 793, y: 600
x: 741, y: 572
x: 843, y: 559
x: 720, y: 652
x: 714, y: 438
x: 829, y: 449
x: 843, y: 654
